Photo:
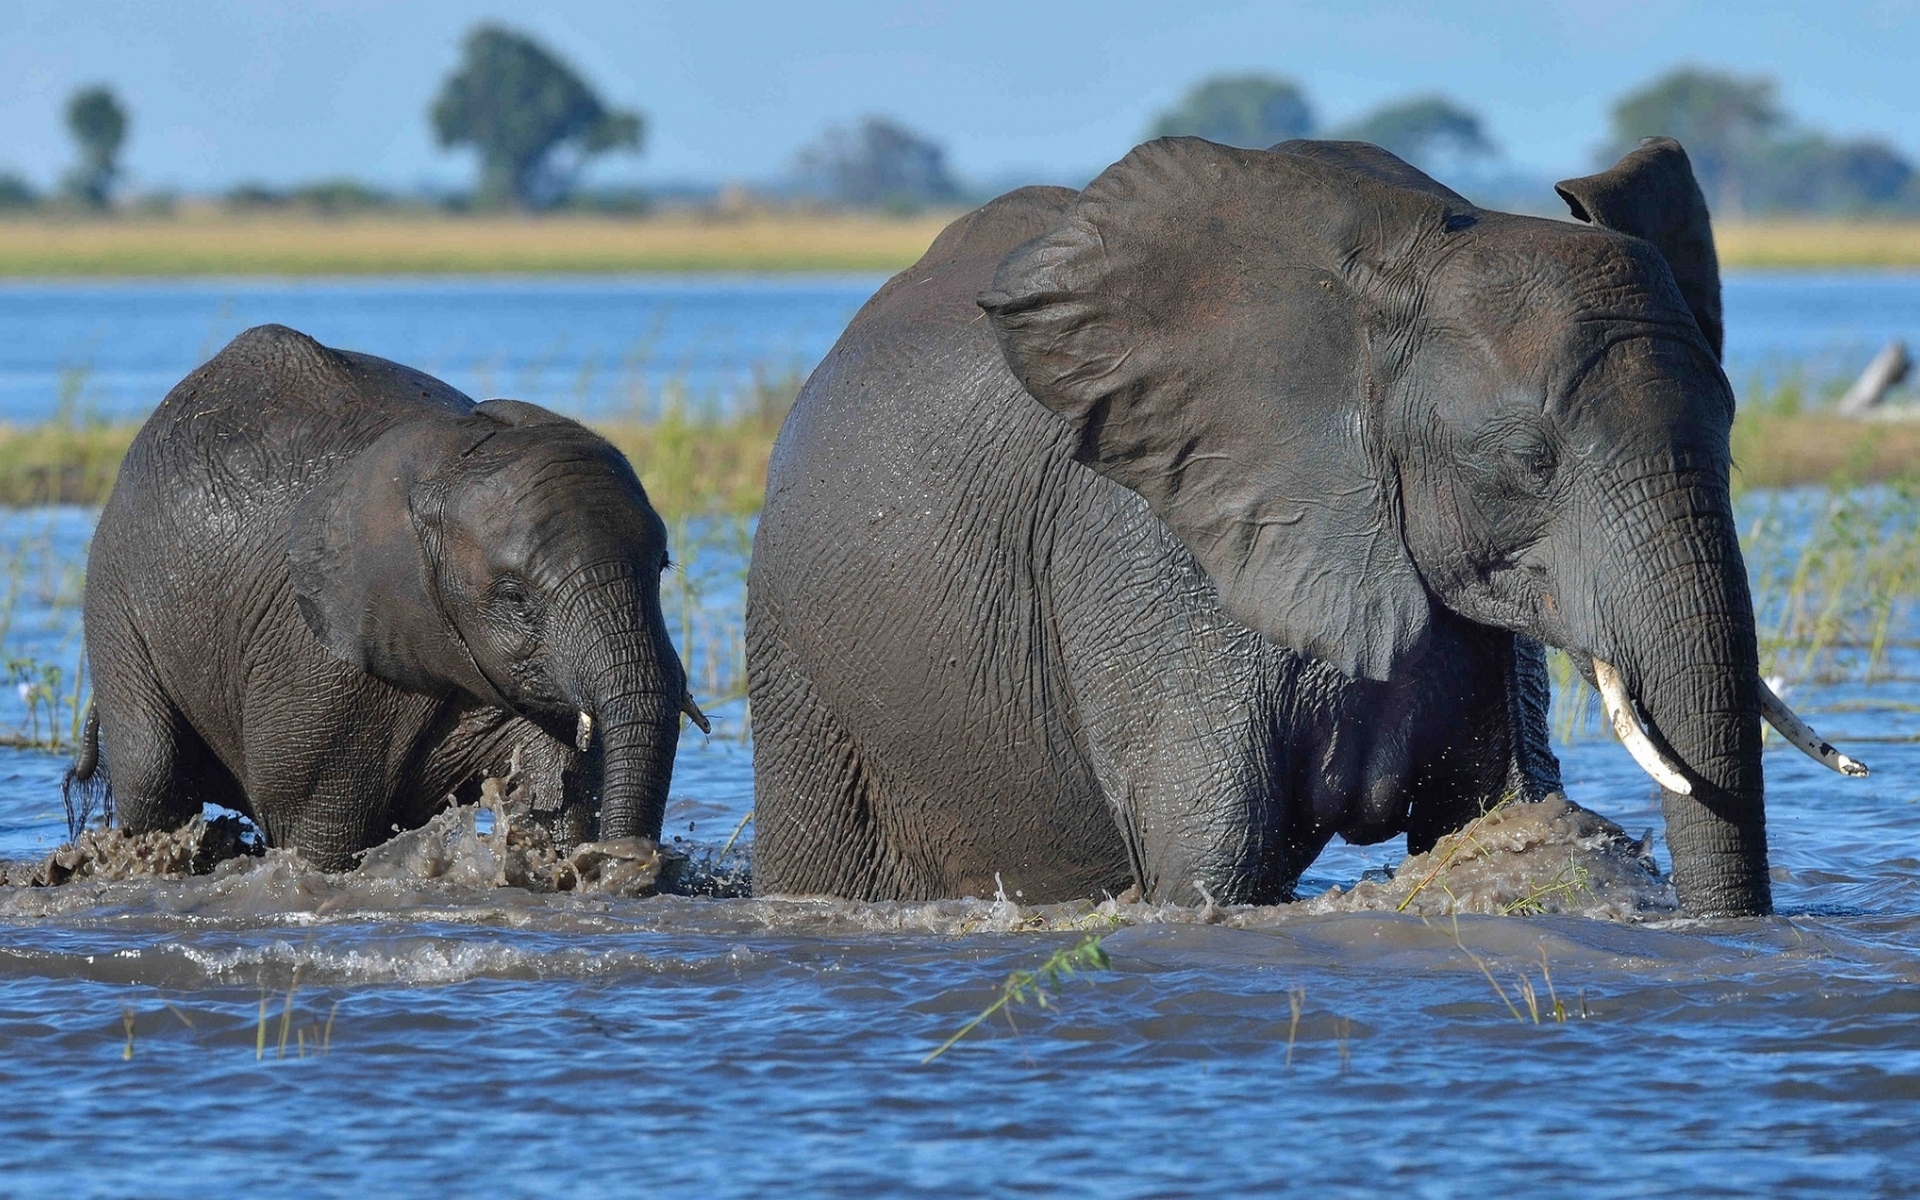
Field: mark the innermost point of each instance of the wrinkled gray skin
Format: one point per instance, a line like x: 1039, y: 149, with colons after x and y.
x: 328, y: 590
x: 1154, y: 534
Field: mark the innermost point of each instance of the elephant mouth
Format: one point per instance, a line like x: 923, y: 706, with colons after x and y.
x: 583, y: 725
x: 1624, y: 715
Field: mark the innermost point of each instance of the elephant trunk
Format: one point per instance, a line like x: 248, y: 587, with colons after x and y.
x: 1679, y: 626
x: 638, y: 733
x: 631, y: 690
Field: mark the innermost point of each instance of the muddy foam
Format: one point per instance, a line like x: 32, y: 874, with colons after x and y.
x: 196, y: 848
x: 517, y: 852
x: 1550, y: 857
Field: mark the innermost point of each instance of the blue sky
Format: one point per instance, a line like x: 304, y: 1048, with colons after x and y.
x: 229, y: 90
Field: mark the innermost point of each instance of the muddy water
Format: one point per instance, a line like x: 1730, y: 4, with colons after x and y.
x: 443, y: 1034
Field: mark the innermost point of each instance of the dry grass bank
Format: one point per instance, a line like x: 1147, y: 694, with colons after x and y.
x: 1811, y: 244
x: 208, y: 243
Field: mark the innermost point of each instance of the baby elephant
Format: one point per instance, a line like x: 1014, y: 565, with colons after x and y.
x: 329, y: 590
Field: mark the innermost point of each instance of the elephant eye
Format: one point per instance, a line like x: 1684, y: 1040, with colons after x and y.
x: 510, y: 594
x: 514, y: 617
x: 1536, y: 459
x: 1523, y: 454
x: 1515, y: 461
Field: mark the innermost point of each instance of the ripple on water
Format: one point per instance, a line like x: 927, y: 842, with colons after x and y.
x: 1550, y: 857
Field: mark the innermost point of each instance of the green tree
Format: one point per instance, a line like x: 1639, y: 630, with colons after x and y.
x: 99, y: 124
x: 1253, y: 111
x: 532, y: 120
x: 1724, y: 122
x: 1423, y: 130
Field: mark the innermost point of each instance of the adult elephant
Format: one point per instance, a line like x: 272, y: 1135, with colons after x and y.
x: 328, y: 591
x: 1154, y: 534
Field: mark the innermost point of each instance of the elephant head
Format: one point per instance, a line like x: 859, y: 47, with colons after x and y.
x: 508, y: 557
x: 1355, y: 396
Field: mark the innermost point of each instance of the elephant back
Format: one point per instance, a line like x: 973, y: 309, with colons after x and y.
x: 896, y: 366
x: 273, y: 409
x: 913, y: 402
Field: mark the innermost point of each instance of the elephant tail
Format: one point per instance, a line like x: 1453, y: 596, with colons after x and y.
x: 85, y: 787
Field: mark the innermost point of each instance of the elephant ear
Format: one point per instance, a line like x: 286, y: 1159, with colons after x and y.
x: 364, y: 576
x: 1200, y: 318
x: 1651, y: 194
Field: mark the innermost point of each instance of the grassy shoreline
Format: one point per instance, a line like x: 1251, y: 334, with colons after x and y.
x: 1806, y: 244
x: 694, y: 466
x: 280, y: 244
x: 691, y: 466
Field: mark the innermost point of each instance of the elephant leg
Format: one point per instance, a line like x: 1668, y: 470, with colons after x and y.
x: 1483, y: 728
x: 160, y: 770
x: 814, y: 827
x: 548, y: 782
x: 328, y: 814
x: 319, y: 786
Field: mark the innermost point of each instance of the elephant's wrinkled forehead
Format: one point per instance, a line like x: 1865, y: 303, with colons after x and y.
x: 1539, y: 280
x: 1551, y: 304
x: 534, y: 492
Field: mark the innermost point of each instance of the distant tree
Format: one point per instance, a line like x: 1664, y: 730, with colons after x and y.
x: 1813, y: 173
x: 1722, y: 120
x: 251, y: 194
x: 326, y: 197
x: 1253, y: 111
x: 99, y: 124
x: 533, y: 121
x: 876, y: 164
x: 1873, y: 174
x: 1750, y: 158
x: 334, y: 197
x: 16, y: 192
x: 1424, y: 130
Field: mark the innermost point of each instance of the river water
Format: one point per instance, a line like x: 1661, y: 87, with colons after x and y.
x: 605, y: 347
x: 476, y: 1040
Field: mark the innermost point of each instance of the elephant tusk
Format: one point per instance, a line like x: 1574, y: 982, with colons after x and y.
x: 692, y: 710
x: 583, y: 733
x: 1791, y: 727
x: 1619, y: 706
